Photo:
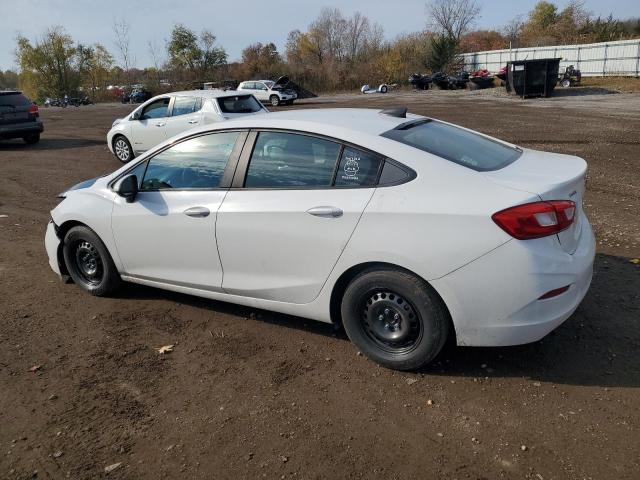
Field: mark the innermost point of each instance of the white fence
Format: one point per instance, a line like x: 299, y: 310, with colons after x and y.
x: 620, y: 58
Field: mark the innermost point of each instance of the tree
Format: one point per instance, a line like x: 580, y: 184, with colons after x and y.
x: 8, y: 80
x: 262, y: 60
x: 452, y: 18
x: 443, y: 55
x: 121, y: 30
x: 95, y: 68
x: 197, y: 55
x: 48, y: 67
x: 481, y: 40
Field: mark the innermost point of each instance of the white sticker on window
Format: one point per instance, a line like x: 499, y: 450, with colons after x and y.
x: 351, y: 168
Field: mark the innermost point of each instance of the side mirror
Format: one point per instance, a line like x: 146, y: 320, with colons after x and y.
x: 128, y: 188
x: 136, y: 115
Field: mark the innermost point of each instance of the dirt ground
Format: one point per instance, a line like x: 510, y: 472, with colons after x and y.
x: 250, y: 394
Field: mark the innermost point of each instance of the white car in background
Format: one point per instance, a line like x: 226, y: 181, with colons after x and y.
x: 275, y: 93
x: 401, y: 228
x: 166, y: 115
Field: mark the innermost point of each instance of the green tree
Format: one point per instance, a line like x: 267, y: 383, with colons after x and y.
x: 48, y: 66
x: 444, y: 54
x: 197, y: 55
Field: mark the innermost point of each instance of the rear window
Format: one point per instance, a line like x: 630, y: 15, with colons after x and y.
x: 239, y: 104
x: 14, y: 100
x: 455, y: 144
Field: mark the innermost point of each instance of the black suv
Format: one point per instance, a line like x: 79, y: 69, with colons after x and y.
x: 19, y: 117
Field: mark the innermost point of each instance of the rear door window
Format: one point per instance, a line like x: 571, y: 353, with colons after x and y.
x: 286, y: 160
x: 195, y: 163
x: 185, y: 105
x: 358, y: 168
x: 455, y: 144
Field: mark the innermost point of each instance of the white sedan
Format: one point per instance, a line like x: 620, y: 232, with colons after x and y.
x: 403, y: 229
x: 167, y: 115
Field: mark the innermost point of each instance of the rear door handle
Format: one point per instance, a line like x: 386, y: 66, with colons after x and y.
x: 193, y: 121
x: 161, y: 124
x: 325, y: 212
x: 197, y: 212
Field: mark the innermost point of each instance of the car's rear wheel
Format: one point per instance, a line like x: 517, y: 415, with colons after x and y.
x: 275, y: 100
x: 565, y: 83
x: 395, y: 318
x: 88, y: 262
x: 31, y: 139
x: 122, y: 149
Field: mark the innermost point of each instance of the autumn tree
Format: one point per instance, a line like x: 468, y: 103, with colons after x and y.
x: 262, y: 60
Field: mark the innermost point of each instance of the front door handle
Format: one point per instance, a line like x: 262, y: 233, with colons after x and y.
x: 161, y: 124
x: 325, y: 212
x: 193, y: 121
x: 197, y: 212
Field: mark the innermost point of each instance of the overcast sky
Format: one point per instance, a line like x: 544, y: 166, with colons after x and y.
x: 235, y: 23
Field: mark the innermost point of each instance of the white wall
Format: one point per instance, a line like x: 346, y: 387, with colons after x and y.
x: 620, y: 58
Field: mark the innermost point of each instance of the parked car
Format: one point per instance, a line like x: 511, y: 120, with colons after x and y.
x: 404, y: 229
x: 275, y: 93
x: 19, y: 117
x: 137, y: 95
x: 167, y: 115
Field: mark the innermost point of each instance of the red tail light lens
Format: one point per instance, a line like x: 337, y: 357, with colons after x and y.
x: 33, y: 109
x: 535, y: 220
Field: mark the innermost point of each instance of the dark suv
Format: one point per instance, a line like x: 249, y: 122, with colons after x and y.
x: 19, y: 117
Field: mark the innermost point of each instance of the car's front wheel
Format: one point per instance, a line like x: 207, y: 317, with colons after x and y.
x: 88, y: 262
x: 394, y: 318
x: 275, y: 100
x: 122, y: 149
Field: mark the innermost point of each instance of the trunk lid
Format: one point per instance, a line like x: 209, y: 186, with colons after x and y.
x: 551, y: 176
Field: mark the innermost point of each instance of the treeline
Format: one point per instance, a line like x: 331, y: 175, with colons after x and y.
x: 335, y: 52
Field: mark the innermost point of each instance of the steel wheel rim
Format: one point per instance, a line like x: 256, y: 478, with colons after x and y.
x: 88, y: 262
x: 391, y: 322
x: 275, y: 101
x: 122, y: 150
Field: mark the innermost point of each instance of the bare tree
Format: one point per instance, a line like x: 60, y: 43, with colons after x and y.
x: 121, y: 29
x: 153, y: 50
x: 453, y: 18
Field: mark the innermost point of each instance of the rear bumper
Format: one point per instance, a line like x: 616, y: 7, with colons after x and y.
x: 18, y: 130
x: 494, y: 301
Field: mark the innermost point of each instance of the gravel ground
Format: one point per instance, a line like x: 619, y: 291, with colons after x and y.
x: 252, y: 394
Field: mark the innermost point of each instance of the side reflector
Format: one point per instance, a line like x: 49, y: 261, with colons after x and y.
x: 554, y: 293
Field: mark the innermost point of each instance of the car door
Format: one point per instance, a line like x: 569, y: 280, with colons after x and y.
x: 167, y: 233
x: 186, y: 113
x: 150, y: 127
x: 285, y: 222
x: 261, y: 91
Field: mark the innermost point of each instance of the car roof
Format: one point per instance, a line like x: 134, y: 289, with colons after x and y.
x: 210, y: 93
x: 370, y: 121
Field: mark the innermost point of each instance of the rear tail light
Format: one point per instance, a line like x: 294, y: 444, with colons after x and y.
x: 535, y: 220
x: 33, y: 109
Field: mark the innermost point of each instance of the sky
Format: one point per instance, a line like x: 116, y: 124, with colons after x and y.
x: 235, y: 23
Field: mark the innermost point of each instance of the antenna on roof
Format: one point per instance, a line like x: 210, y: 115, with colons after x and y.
x: 400, y: 112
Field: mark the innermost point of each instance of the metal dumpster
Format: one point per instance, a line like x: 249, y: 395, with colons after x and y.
x: 532, y: 78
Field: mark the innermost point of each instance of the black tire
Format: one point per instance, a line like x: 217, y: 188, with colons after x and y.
x: 274, y: 100
x: 89, y: 263
x: 394, y: 318
x: 565, y: 83
x: 384, y: 89
x: 31, y: 139
x: 122, y: 149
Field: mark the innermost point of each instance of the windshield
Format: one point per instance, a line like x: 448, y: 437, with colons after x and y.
x: 239, y: 104
x: 455, y: 144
